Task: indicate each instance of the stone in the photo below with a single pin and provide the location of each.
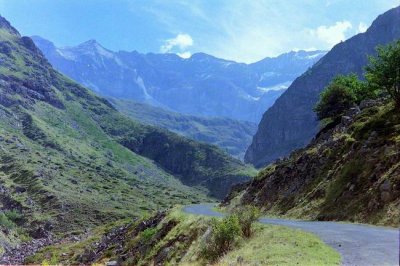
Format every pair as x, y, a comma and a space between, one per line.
240, 260
367, 103
112, 263
346, 120
353, 111
386, 196
385, 186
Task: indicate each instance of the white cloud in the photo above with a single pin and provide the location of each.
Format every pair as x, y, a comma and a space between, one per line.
362, 27
181, 41
185, 54
332, 35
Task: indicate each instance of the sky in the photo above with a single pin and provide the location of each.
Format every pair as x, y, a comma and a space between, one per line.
240, 30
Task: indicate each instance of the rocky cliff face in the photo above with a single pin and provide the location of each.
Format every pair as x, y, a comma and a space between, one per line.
291, 123
351, 172
200, 85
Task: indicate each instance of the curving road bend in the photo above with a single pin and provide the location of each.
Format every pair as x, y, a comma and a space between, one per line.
359, 245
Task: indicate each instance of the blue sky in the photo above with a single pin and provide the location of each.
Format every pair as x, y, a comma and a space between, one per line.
245, 31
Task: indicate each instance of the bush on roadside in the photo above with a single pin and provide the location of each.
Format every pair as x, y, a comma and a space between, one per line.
224, 236
247, 215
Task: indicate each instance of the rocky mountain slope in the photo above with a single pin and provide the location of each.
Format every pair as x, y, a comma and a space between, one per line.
291, 123
178, 238
200, 85
230, 135
350, 172
69, 159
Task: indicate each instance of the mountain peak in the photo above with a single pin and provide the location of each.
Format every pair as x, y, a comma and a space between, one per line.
92, 47
90, 43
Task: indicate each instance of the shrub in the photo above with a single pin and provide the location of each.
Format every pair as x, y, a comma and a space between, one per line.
247, 216
148, 234
224, 236
13, 215
383, 71
334, 100
5, 222
358, 88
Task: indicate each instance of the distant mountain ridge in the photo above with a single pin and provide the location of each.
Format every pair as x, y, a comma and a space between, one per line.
200, 85
233, 136
291, 123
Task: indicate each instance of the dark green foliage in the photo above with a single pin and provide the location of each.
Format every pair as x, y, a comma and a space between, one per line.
383, 71
359, 88
247, 215
148, 234
224, 236
335, 100
8, 219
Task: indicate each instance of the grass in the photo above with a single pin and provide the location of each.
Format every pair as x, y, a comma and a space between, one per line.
278, 245
269, 245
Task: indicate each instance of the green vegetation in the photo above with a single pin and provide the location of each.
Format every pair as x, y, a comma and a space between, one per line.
382, 76
335, 99
177, 238
247, 215
383, 71
225, 234
278, 245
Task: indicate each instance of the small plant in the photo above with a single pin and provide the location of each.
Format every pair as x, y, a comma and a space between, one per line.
247, 215
224, 236
148, 234
13, 215
5, 222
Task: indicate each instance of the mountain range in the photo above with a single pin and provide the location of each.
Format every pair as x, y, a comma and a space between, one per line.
200, 85
291, 122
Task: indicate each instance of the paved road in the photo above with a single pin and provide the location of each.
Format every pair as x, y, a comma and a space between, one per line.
360, 245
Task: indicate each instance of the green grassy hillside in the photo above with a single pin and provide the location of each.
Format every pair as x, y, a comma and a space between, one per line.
230, 135
69, 160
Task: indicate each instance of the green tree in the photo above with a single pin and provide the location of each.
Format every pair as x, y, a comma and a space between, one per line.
383, 71
359, 88
335, 100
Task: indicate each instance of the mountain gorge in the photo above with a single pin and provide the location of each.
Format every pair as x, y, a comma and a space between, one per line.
69, 160
200, 85
291, 123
